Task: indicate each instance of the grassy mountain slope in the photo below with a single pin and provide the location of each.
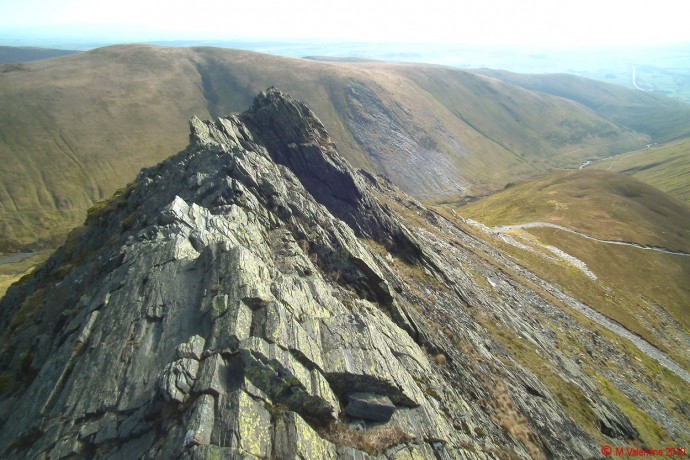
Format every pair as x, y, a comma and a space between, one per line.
662, 118
638, 288
598, 203
74, 129
666, 167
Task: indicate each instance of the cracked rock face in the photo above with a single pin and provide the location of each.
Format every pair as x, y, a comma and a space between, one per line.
225, 305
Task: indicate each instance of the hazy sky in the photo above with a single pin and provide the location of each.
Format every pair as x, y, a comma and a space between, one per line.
506, 22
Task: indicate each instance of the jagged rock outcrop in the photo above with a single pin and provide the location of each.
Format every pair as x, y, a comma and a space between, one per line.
247, 298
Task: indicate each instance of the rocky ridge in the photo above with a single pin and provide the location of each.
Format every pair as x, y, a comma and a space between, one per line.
256, 297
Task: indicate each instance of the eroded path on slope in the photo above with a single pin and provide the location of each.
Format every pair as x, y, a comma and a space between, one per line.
505, 228
476, 244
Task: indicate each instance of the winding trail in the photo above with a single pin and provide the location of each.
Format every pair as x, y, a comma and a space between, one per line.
644, 346
634, 79
610, 324
506, 228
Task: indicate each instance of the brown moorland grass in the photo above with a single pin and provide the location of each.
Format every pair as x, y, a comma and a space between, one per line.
666, 167
630, 282
601, 204
74, 129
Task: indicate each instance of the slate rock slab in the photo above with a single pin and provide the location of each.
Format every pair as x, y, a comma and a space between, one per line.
370, 406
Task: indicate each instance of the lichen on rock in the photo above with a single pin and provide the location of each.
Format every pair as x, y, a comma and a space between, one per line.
242, 314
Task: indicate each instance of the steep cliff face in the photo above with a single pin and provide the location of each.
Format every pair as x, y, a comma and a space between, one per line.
256, 297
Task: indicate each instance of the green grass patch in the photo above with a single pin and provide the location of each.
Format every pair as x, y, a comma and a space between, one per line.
606, 206
629, 279
7, 382
600, 204
110, 205
666, 167
567, 394
651, 433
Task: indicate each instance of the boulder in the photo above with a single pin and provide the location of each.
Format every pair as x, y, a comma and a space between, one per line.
369, 406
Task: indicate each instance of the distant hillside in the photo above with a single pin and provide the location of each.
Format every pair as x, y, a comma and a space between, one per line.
74, 129
12, 54
662, 118
666, 167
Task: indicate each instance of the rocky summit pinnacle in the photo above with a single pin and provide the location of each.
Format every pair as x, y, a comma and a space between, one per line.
256, 297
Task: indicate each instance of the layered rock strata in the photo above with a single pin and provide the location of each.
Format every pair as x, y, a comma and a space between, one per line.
228, 304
